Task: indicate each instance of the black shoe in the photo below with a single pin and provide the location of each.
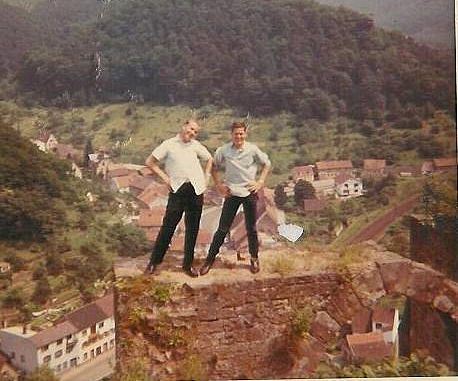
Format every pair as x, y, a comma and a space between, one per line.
206, 267
254, 267
150, 269
191, 272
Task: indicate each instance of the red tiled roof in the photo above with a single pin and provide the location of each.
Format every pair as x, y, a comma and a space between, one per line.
341, 178
368, 346
54, 333
151, 217
153, 191
313, 205
374, 164
119, 172
106, 303
140, 182
444, 162
87, 315
121, 182
335, 164
302, 170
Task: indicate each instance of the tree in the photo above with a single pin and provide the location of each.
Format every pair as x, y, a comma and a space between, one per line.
42, 291
303, 190
87, 151
128, 240
280, 197
14, 298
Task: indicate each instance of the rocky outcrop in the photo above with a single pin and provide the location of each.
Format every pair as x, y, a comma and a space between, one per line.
245, 328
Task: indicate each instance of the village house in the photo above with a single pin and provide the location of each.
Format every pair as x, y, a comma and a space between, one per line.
444, 164
374, 335
268, 219
154, 195
150, 220
324, 188
361, 347
330, 169
374, 167
139, 183
347, 187
73, 340
304, 172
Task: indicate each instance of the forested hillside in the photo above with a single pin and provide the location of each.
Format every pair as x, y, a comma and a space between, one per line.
262, 57
34, 190
427, 21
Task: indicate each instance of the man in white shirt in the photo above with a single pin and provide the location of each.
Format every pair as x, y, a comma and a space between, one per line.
240, 160
187, 182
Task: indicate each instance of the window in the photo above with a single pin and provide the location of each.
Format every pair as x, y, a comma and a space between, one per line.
84, 333
378, 326
111, 343
64, 365
59, 342
85, 356
98, 350
58, 354
47, 358
105, 346
44, 348
73, 362
59, 368
69, 337
92, 353
22, 358
101, 325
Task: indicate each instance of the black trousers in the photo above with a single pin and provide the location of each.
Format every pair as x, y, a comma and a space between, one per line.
230, 206
183, 200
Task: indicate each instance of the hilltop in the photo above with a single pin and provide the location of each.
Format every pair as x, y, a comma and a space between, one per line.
427, 21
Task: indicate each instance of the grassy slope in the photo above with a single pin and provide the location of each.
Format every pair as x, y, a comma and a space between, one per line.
147, 125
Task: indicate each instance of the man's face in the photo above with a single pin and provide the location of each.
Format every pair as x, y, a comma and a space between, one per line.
238, 136
189, 131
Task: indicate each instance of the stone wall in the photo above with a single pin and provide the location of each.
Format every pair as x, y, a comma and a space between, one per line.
243, 329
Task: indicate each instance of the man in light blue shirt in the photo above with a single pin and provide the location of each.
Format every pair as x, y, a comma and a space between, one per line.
241, 160
187, 182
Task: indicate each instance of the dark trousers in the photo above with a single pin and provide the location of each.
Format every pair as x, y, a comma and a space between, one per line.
230, 206
183, 200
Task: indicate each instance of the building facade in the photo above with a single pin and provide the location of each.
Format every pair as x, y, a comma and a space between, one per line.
75, 339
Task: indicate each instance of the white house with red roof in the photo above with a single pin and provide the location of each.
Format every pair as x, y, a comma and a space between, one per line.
76, 338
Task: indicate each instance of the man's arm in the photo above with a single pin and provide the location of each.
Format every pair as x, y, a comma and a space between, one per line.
208, 170
152, 163
257, 185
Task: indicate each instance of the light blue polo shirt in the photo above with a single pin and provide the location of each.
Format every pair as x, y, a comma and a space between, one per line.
240, 165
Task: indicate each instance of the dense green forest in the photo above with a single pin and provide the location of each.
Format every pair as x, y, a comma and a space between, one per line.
262, 57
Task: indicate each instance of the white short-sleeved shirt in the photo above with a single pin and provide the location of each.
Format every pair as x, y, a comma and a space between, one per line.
240, 165
182, 162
